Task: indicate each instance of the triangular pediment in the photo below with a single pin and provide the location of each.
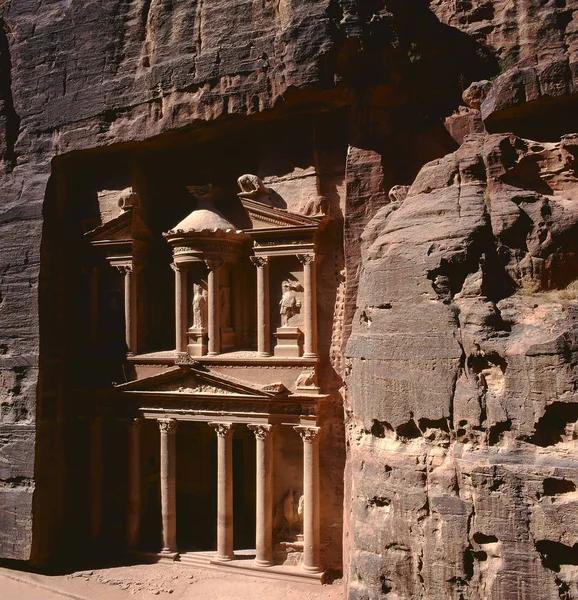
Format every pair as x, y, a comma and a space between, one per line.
199, 381
116, 230
267, 217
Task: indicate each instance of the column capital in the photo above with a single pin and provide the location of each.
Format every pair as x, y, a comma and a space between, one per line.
306, 259
176, 267
124, 269
261, 431
213, 265
223, 429
167, 425
308, 434
260, 261
134, 424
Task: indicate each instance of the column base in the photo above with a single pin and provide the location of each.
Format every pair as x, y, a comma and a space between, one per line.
310, 355
264, 354
225, 558
263, 563
213, 353
311, 569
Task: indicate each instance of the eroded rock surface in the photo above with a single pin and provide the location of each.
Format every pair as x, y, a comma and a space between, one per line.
463, 380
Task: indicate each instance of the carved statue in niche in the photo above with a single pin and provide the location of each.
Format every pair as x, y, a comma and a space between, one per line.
199, 307
289, 304
226, 306
289, 515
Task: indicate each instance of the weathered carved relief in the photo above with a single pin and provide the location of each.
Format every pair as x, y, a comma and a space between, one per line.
289, 305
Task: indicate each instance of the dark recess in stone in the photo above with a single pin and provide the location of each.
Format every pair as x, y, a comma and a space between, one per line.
555, 554
555, 487
550, 427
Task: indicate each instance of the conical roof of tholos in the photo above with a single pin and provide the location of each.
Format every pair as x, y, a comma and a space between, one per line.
204, 218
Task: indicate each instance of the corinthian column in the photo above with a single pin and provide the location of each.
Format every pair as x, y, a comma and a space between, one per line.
168, 428
309, 435
310, 304
224, 490
134, 482
130, 317
263, 309
264, 522
214, 307
180, 307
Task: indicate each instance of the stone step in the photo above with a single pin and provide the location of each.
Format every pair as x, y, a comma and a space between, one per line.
247, 567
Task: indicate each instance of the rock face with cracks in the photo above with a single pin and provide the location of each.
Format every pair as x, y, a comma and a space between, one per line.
462, 380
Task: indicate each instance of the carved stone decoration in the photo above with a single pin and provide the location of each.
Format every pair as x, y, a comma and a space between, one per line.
260, 261
252, 187
225, 306
125, 269
134, 424
260, 431
308, 434
168, 426
306, 259
223, 429
306, 383
112, 203
199, 307
289, 304
201, 192
316, 206
213, 265
184, 358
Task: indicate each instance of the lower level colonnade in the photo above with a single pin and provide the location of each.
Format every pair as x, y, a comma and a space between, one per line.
264, 490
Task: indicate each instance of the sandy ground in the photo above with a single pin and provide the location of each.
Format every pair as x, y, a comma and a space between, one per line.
158, 581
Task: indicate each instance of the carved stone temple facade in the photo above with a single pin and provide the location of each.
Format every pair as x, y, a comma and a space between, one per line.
226, 425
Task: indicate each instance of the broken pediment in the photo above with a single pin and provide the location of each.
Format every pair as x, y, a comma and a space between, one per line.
267, 217
197, 381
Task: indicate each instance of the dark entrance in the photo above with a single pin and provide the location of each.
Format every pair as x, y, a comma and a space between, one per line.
244, 480
196, 487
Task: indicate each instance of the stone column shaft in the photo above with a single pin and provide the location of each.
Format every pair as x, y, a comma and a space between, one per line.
214, 311
180, 307
168, 428
310, 304
224, 490
134, 484
311, 554
263, 306
264, 521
